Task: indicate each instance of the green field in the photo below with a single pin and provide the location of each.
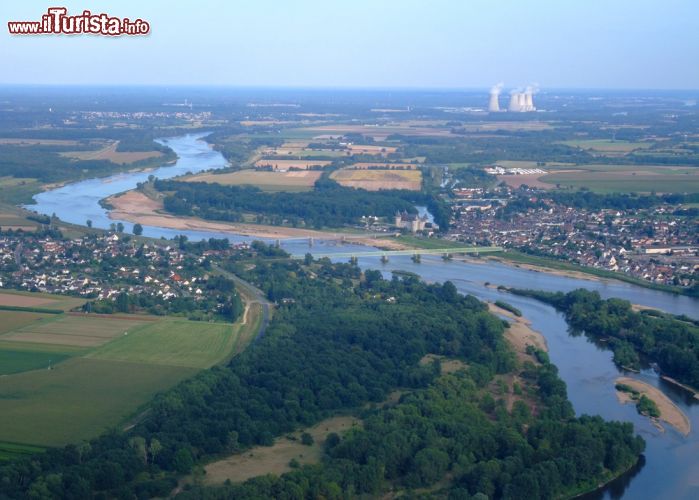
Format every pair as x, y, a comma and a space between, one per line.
78, 399
15, 191
427, 243
191, 344
607, 145
12, 451
67, 377
627, 178
16, 361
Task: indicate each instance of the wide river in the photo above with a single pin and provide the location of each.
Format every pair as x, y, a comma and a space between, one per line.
671, 468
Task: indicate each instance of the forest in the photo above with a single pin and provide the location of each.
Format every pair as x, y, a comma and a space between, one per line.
46, 164
346, 338
671, 342
328, 205
593, 201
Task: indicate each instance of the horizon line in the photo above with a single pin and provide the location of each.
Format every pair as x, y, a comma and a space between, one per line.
336, 87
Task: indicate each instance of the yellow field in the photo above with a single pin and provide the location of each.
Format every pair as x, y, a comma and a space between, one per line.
38, 142
109, 152
275, 459
37, 299
11, 320
371, 150
384, 165
287, 164
267, 181
375, 180
72, 331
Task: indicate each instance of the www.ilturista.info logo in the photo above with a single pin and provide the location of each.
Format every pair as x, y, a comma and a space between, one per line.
56, 21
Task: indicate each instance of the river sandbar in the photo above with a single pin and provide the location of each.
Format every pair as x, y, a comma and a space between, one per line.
136, 207
670, 413
520, 333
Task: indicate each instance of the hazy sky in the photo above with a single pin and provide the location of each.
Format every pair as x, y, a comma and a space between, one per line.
368, 43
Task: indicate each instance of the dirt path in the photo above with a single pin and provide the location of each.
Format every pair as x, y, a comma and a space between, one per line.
670, 413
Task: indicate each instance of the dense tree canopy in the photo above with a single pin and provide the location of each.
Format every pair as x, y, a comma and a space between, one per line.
328, 205
672, 342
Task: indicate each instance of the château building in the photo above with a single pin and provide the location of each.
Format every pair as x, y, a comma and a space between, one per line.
413, 222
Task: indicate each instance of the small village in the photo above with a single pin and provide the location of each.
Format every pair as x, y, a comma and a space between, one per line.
652, 244
102, 267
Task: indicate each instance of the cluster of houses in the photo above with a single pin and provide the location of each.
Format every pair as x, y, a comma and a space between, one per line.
99, 267
652, 244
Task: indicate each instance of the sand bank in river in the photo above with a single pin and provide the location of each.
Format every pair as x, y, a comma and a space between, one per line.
520, 333
669, 411
136, 207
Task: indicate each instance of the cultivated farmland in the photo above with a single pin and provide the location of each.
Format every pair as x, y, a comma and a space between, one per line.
67, 377
267, 181
375, 180
627, 178
42, 300
109, 152
77, 399
608, 146
72, 331
287, 164
11, 320
191, 344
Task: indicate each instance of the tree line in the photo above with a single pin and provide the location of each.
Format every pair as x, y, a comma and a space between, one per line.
328, 205
671, 342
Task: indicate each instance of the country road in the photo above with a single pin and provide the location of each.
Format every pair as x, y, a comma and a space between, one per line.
251, 295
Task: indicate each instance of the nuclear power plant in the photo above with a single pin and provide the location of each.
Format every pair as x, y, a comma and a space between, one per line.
494, 104
520, 101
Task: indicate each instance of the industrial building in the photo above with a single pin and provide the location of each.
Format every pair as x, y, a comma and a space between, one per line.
520, 101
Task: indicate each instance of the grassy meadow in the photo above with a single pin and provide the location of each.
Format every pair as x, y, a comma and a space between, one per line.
67, 377
627, 178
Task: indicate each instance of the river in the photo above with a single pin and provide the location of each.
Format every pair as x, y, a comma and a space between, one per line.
671, 468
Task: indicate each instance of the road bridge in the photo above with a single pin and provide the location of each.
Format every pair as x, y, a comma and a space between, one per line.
416, 251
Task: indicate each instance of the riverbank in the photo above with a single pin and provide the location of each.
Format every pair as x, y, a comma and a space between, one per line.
520, 334
134, 206
670, 413
553, 266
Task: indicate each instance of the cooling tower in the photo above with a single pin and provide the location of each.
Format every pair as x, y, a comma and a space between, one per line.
514, 102
522, 101
529, 101
494, 104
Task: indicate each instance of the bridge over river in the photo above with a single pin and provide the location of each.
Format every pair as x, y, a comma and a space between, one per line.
416, 251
